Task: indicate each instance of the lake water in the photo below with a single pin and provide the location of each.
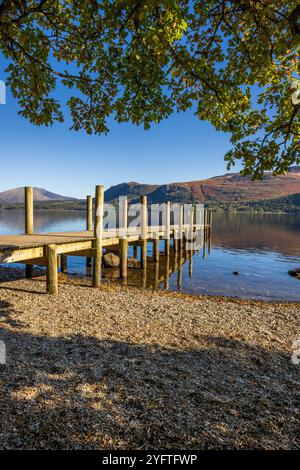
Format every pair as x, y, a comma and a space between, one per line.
262, 248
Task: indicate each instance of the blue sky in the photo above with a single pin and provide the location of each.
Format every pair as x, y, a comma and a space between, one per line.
181, 148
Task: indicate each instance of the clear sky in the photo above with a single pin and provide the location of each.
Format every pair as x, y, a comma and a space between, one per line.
181, 148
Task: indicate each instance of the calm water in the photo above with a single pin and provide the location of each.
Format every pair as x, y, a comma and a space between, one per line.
261, 247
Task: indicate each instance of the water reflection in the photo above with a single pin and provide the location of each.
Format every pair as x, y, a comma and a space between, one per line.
260, 232
157, 274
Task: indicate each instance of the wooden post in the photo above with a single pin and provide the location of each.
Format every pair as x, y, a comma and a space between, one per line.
123, 249
167, 272
179, 278
210, 223
29, 229
191, 265
156, 248
29, 226
98, 233
167, 228
156, 275
144, 229
204, 238
205, 222
180, 225
63, 263
89, 222
89, 213
191, 241
52, 283
175, 243
123, 243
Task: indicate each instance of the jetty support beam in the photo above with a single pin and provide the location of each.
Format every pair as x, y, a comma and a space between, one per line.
29, 227
52, 281
123, 243
144, 224
98, 231
89, 223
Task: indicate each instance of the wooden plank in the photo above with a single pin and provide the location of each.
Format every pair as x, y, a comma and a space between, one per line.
36, 261
89, 253
73, 247
14, 256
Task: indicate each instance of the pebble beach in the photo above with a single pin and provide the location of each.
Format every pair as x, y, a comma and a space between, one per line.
124, 368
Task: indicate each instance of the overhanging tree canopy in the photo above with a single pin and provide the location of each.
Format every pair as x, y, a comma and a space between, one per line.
235, 61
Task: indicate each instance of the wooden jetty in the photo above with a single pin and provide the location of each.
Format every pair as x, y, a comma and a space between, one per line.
52, 249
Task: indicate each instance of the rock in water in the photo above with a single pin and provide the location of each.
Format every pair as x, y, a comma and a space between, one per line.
110, 260
295, 272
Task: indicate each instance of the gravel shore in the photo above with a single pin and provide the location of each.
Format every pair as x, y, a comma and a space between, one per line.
122, 368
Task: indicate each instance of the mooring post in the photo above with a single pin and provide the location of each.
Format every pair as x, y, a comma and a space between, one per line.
179, 277
123, 242
167, 228
98, 233
191, 265
144, 230
204, 233
175, 241
191, 241
89, 222
29, 226
89, 213
156, 275
156, 247
63, 263
167, 272
29, 229
180, 238
52, 282
210, 222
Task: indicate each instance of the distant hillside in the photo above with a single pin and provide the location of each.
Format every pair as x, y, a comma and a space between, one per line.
230, 191
39, 195
132, 190
286, 204
231, 187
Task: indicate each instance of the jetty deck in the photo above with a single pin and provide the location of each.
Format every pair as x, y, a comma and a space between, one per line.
52, 249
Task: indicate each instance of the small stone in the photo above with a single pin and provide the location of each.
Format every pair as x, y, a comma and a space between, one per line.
132, 261
236, 273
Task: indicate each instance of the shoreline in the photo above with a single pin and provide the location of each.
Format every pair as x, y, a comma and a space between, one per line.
125, 368
85, 282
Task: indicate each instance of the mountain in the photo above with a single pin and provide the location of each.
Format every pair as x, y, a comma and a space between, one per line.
39, 194
132, 190
231, 187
